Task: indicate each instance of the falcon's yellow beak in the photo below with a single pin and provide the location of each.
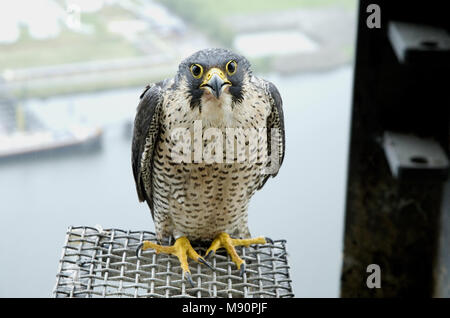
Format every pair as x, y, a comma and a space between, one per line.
215, 80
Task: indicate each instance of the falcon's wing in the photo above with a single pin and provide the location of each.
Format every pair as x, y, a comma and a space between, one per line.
274, 121
145, 138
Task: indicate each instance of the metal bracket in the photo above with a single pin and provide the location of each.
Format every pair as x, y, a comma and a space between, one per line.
412, 157
420, 44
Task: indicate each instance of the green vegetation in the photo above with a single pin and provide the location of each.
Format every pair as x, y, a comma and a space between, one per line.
69, 46
80, 87
220, 8
209, 16
97, 43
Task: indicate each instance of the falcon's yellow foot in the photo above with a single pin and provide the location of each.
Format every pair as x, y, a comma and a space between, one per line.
181, 249
224, 240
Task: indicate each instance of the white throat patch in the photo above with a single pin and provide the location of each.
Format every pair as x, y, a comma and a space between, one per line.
217, 112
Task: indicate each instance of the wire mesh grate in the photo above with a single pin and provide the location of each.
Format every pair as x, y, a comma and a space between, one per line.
103, 263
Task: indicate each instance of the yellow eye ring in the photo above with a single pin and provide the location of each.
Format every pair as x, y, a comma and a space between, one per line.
231, 67
196, 70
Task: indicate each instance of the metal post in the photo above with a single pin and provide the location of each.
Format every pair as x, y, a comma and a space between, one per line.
398, 163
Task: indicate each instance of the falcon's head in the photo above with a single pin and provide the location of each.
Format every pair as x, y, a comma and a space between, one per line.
214, 75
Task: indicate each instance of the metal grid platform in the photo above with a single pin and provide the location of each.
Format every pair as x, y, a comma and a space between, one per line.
103, 263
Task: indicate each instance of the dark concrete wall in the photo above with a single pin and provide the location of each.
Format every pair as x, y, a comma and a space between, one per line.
397, 224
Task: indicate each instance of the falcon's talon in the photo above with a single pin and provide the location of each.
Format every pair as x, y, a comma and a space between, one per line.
269, 240
242, 271
189, 278
139, 247
202, 260
224, 240
182, 249
210, 253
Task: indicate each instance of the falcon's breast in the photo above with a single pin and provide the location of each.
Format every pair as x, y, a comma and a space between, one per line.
203, 199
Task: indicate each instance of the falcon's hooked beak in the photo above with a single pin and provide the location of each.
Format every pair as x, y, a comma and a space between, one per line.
215, 80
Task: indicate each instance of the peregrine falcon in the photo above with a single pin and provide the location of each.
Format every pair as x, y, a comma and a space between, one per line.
197, 198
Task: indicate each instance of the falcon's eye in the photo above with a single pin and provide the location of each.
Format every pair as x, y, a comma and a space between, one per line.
196, 70
231, 67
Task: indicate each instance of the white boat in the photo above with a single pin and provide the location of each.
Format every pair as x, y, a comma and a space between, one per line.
23, 143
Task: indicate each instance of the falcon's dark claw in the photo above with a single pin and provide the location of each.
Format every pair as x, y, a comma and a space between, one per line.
209, 254
202, 260
269, 240
189, 278
242, 271
139, 247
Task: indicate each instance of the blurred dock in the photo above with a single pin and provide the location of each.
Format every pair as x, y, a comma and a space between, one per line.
22, 132
21, 144
87, 76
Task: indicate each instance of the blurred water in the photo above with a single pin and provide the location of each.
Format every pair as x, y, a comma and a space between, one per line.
41, 197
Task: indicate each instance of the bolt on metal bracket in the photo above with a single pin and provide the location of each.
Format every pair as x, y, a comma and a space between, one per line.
416, 44
415, 157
